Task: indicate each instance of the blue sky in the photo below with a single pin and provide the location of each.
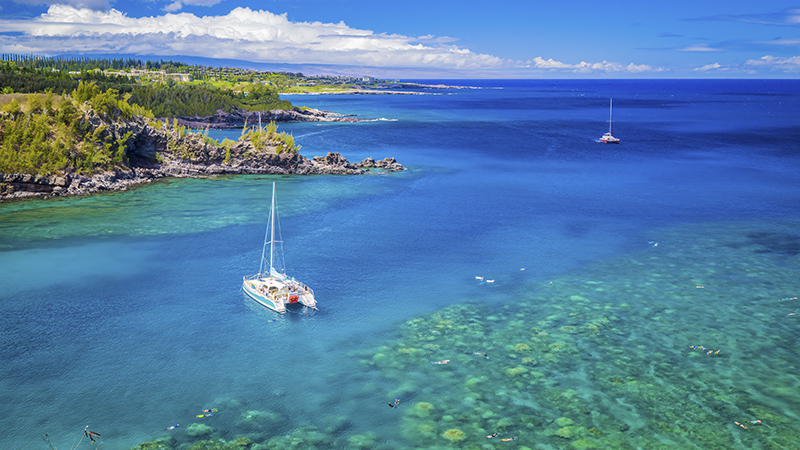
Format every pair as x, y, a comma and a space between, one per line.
431, 39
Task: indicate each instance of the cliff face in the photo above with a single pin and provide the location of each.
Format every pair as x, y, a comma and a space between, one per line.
155, 150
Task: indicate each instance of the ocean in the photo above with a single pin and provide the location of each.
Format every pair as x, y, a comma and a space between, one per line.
520, 285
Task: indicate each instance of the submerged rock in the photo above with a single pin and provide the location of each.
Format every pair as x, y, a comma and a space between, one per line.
199, 429
258, 420
454, 435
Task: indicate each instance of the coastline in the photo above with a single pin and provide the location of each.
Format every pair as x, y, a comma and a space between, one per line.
237, 117
157, 151
384, 90
360, 92
26, 186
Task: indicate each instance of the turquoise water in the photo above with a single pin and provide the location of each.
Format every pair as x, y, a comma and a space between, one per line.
123, 311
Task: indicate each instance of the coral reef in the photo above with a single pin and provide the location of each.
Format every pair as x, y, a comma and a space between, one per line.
454, 435
198, 429
258, 420
613, 359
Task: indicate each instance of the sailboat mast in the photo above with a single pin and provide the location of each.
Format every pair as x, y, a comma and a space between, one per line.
610, 109
272, 227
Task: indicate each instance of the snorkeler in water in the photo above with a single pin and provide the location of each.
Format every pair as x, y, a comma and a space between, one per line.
90, 434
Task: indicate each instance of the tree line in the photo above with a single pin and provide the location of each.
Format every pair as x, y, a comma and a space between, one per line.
47, 134
83, 63
168, 99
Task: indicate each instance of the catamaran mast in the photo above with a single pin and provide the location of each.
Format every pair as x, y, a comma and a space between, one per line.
610, 108
270, 234
272, 227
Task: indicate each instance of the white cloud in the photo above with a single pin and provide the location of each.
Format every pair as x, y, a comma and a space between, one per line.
793, 42
584, 67
707, 67
633, 68
259, 36
793, 16
176, 5
791, 64
699, 48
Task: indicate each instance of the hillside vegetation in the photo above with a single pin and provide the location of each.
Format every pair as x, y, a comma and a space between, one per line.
89, 131
165, 99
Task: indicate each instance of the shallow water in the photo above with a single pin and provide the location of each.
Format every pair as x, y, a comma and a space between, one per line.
124, 311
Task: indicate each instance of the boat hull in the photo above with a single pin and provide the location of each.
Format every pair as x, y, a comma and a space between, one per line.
278, 292
276, 305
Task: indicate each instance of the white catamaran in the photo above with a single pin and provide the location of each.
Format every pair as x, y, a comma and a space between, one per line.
269, 286
608, 138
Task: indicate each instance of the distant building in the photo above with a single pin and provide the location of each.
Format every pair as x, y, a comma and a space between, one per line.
155, 74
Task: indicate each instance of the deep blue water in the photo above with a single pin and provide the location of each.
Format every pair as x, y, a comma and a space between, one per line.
124, 311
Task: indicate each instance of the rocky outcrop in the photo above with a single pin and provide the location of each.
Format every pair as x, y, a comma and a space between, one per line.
387, 164
155, 150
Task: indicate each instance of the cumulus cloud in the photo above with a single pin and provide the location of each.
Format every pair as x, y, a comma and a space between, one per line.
791, 64
585, 67
707, 67
258, 36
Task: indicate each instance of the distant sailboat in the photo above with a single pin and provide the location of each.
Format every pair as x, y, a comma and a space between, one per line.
609, 138
270, 287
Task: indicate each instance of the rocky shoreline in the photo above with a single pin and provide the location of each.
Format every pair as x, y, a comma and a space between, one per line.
238, 117
156, 151
20, 186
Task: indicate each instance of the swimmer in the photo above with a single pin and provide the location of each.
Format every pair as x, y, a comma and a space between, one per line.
755, 422
204, 415
509, 439
741, 425
705, 349
173, 427
210, 410
391, 405
397, 401
482, 354
444, 361
90, 434
493, 435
